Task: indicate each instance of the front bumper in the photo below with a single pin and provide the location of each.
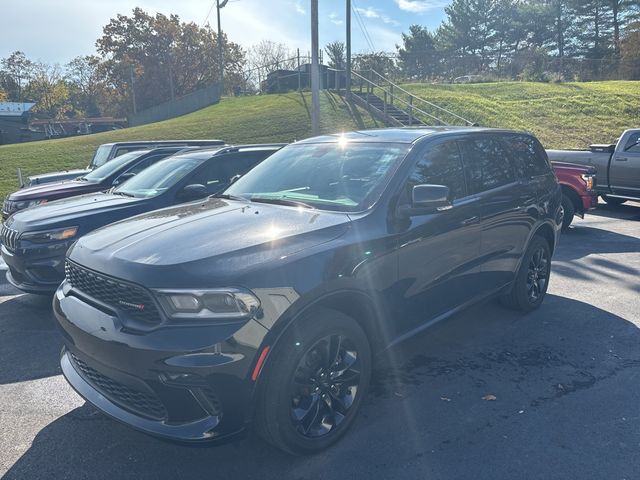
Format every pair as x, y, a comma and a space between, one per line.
589, 202
187, 384
36, 270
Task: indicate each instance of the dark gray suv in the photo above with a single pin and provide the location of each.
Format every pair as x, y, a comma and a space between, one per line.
265, 304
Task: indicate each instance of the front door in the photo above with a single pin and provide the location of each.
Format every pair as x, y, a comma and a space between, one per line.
438, 253
624, 174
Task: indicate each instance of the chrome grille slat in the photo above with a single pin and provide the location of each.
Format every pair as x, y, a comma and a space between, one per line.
119, 295
9, 238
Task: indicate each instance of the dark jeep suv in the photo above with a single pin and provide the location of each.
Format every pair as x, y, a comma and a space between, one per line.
266, 302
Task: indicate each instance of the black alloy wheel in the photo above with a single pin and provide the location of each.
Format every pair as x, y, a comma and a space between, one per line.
313, 383
324, 385
538, 275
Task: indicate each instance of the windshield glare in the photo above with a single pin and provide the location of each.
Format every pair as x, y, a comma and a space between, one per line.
101, 156
337, 176
159, 177
109, 168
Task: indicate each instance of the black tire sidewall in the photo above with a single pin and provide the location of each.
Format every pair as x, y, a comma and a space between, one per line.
521, 294
569, 212
276, 400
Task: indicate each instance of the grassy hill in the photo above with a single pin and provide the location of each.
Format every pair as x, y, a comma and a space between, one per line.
268, 118
570, 115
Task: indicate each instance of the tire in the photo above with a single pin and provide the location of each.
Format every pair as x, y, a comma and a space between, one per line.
569, 211
313, 412
520, 297
613, 201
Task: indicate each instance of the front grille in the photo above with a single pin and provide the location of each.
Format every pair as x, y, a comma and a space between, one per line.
116, 294
144, 404
9, 238
7, 208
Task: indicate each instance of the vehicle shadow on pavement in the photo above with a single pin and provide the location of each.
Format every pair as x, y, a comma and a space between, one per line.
29, 340
488, 394
626, 211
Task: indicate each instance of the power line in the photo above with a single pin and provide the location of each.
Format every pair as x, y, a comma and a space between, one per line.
213, 4
363, 27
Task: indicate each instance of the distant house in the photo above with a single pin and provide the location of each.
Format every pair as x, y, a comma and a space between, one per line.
14, 122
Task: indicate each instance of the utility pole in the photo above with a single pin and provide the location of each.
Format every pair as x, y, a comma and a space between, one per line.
315, 71
220, 5
348, 22
133, 89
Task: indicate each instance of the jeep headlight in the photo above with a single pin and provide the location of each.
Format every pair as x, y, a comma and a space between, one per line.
27, 204
50, 235
232, 303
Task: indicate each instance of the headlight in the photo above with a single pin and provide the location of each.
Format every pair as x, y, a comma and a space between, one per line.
27, 204
588, 180
216, 303
51, 235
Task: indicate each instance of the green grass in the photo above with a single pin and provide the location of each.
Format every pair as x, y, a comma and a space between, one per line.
569, 115
258, 119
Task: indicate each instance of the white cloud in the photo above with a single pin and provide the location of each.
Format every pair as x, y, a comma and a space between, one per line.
419, 6
335, 19
297, 5
371, 12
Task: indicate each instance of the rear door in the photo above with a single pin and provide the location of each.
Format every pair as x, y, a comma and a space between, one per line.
438, 254
492, 176
624, 173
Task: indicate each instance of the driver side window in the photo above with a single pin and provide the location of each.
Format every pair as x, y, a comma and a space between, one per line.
441, 164
632, 145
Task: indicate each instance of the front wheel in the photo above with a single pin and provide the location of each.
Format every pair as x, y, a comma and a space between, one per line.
314, 383
532, 280
613, 201
569, 212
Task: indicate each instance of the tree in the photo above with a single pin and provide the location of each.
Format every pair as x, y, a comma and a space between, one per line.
630, 51
164, 57
48, 89
85, 85
19, 69
336, 53
418, 55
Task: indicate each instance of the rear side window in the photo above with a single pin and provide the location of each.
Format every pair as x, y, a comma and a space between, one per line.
217, 174
487, 164
441, 165
529, 154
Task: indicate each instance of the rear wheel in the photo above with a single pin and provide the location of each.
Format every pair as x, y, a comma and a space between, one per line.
569, 211
314, 383
613, 201
532, 280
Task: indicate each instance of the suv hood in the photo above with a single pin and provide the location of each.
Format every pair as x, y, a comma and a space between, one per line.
56, 189
72, 211
201, 244
56, 176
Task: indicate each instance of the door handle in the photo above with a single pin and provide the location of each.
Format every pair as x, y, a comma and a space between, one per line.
621, 159
470, 221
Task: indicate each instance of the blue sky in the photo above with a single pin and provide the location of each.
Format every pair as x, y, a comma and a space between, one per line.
58, 31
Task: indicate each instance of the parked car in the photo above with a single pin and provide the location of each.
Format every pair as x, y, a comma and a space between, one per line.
102, 178
266, 302
35, 240
109, 151
618, 166
578, 184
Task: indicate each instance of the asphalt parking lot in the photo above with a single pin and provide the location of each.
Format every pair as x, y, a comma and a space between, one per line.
566, 382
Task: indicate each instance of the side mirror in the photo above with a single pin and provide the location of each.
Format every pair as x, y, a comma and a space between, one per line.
426, 199
123, 178
193, 192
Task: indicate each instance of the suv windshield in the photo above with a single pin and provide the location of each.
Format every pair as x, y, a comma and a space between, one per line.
331, 176
159, 177
101, 156
109, 168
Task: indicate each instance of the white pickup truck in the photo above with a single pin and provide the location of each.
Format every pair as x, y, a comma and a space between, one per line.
618, 166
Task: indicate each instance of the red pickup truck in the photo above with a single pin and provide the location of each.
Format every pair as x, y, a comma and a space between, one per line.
578, 189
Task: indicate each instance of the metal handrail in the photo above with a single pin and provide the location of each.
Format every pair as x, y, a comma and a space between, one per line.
413, 107
438, 107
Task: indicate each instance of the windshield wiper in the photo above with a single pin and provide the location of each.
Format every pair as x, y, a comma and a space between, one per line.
123, 194
227, 196
281, 201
